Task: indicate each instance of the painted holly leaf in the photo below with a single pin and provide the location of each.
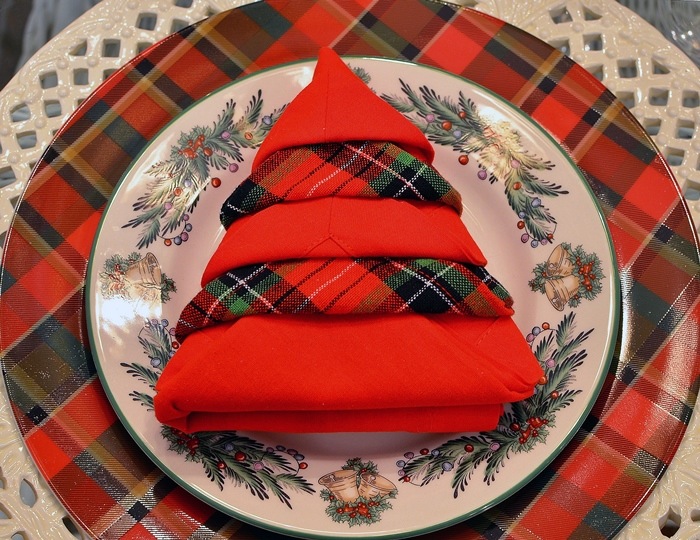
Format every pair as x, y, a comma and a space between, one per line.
497, 147
264, 471
519, 429
176, 184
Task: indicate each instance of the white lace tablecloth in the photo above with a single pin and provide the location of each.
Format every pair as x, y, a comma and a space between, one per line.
654, 79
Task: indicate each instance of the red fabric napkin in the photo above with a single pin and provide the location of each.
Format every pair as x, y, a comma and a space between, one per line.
336, 227
410, 371
346, 373
341, 105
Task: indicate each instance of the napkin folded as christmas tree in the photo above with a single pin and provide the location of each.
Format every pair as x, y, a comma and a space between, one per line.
346, 294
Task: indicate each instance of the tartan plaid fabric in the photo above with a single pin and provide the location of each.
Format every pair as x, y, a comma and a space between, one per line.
115, 491
345, 286
349, 169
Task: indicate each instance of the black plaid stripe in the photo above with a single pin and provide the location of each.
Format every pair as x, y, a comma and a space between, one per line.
386, 170
38, 223
545, 81
510, 57
162, 89
91, 462
396, 285
643, 150
376, 26
434, 287
77, 180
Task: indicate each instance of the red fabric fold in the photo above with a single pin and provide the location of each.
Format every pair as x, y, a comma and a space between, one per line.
314, 374
341, 227
337, 107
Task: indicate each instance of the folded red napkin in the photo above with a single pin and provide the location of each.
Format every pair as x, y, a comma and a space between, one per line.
335, 227
310, 373
346, 295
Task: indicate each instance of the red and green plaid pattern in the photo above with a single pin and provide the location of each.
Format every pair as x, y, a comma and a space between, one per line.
347, 286
589, 491
349, 169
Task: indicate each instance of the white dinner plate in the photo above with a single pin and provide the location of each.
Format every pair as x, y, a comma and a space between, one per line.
552, 253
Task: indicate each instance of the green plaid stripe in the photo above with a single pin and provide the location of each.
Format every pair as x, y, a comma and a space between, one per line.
352, 169
346, 286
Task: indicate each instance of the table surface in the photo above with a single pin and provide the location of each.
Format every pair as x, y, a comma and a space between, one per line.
656, 81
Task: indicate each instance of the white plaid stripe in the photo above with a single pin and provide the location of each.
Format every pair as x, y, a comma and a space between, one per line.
236, 209
318, 290
408, 184
335, 173
243, 282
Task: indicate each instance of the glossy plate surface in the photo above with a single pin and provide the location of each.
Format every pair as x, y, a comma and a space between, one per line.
593, 486
161, 227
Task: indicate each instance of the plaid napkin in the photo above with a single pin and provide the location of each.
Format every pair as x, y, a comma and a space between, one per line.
346, 295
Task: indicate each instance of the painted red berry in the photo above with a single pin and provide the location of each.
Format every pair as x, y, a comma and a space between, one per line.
469, 447
239, 456
167, 242
248, 135
517, 186
543, 380
177, 191
521, 224
221, 465
447, 125
216, 181
554, 395
303, 465
535, 422
515, 426
545, 326
463, 159
462, 115
208, 151
424, 451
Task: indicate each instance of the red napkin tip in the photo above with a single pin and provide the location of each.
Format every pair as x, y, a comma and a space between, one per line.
337, 106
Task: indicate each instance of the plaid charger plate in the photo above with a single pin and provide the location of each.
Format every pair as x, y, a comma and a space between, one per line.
595, 485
